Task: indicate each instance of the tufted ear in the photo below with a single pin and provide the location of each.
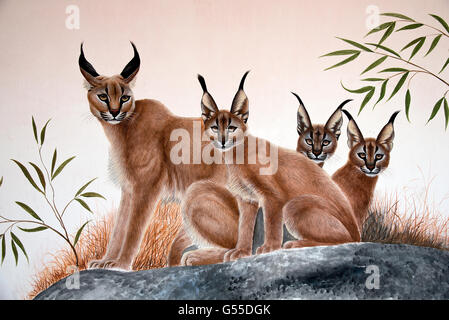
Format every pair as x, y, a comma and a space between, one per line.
208, 105
354, 134
386, 135
303, 119
131, 69
87, 70
336, 120
240, 104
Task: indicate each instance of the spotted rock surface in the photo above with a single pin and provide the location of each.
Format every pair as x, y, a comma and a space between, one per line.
348, 271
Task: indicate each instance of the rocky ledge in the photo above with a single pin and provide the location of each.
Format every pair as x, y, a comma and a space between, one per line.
348, 271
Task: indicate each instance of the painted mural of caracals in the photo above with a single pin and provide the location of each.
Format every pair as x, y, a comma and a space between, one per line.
203, 191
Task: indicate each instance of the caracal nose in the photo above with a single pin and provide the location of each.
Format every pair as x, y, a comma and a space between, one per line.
316, 152
114, 113
370, 166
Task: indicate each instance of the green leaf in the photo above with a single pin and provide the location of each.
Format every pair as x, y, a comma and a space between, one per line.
446, 113
58, 171
399, 85
440, 20
383, 89
37, 229
361, 90
3, 248
434, 44
340, 53
411, 43
356, 44
84, 204
397, 15
368, 97
384, 48
435, 109
43, 132
444, 66
34, 129
77, 236
84, 187
417, 47
374, 64
14, 251
387, 33
29, 210
410, 26
19, 243
379, 28
53, 161
92, 195
407, 104
354, 56
373, 79
394, 70
27, 175
39, 174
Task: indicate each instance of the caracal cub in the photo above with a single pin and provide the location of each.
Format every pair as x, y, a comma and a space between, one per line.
368, 157
316, 141
316, 208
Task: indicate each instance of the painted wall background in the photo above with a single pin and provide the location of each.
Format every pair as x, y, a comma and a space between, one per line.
280, 41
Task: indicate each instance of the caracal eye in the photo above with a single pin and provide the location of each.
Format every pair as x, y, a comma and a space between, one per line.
232, 128
125, 98
103, 97
309, 142
326, 142
361, 155
379, 156
214, 128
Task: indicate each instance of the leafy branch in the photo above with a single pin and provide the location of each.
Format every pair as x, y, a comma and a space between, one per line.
406, 70
45, 187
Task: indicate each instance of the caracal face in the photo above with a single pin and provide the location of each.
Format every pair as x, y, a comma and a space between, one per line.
370, 155
318, 142
111, 99
226, 129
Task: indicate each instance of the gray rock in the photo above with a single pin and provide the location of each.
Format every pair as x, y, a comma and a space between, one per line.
328, 272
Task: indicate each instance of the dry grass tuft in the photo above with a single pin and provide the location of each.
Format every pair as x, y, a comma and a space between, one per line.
417, 223
164, 225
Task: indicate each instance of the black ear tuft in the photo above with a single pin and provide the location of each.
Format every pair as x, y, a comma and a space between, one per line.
132, 67
355, 136
202, 83
344, 103
347, 114
242, 82
303, 119
393, 117
85, 65
240, 103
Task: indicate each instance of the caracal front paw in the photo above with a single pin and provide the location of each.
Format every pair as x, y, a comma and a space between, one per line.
267, 247
235, 254
107, 263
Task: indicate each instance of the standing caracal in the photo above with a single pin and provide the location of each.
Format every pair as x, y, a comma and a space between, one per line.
139, 132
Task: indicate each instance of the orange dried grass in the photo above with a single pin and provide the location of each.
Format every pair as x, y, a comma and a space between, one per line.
163, 227
417, 223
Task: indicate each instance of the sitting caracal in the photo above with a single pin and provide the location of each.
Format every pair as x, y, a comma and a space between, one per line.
318, 142
316, 208
367, 158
